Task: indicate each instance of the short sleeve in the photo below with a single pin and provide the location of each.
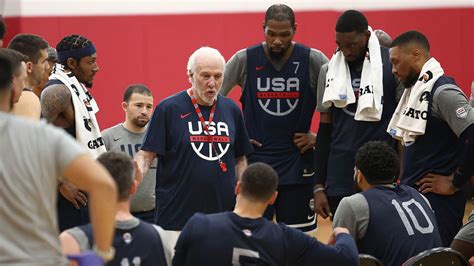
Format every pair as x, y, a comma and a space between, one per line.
353, 214
451, 105
320, 89
316, 60
242, 145
155, 137
467, 231
106, 136
80, 237
235, 72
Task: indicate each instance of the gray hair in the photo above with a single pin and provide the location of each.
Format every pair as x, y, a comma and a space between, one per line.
205, 50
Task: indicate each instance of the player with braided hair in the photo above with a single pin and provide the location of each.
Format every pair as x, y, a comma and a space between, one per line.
71, 49
66, 103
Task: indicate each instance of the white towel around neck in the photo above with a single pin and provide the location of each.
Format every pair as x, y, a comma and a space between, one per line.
339, 91
85, 108
409, 119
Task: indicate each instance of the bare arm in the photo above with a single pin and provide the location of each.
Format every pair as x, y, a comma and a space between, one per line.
28, 106
400, 155
69, 245
55, 100
240, 165
90, 176
144, 160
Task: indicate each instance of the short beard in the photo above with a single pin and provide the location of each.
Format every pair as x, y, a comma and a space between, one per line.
88, 84
276, 55
411, 79
139, 124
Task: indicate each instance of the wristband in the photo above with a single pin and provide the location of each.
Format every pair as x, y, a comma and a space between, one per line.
316, 190
107, 255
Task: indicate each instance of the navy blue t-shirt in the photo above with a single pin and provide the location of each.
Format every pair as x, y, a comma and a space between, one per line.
348, 134
401, 225
276, 105
228, 239
188, 176
140, 245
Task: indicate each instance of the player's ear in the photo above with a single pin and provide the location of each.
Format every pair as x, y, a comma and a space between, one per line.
29, 67
367, 35
271, 201
124, 106
237, 188
190, 76
358, 176
71, 63
134, 187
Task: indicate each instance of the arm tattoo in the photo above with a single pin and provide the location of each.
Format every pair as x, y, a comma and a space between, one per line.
54, 101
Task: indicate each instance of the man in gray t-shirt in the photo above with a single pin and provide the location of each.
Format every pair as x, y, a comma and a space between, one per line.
127, 137
464, 240
34, 157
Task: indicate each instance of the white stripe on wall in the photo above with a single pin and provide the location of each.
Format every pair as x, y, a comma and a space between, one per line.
14, 8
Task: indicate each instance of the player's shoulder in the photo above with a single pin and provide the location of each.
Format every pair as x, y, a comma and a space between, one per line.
239, 58
174, 100
241, 54
355, 202
324, 68
29, 97
445, 86
56, 91
228, 102
446, 82
316, 53
199, 224
253, 47
20, 124
111, 130
200, 218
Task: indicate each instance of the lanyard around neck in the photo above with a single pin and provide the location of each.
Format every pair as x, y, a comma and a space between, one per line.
206, 127
199, 113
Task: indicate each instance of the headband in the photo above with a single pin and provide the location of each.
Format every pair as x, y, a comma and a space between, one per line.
76, 53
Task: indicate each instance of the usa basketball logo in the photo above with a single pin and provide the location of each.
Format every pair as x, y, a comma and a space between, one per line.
210, 146
278, 96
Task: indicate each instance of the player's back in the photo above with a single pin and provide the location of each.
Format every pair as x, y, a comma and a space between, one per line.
136, 243
401, 224
228, 239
